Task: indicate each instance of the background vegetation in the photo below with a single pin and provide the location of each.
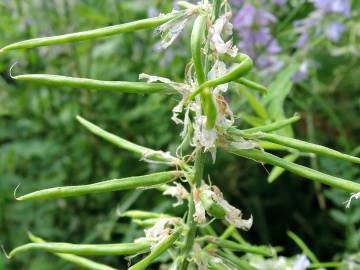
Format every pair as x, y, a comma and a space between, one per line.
42, 145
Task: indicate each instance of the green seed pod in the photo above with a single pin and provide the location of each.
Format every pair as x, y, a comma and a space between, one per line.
245, 65
308, 173
260, 250
77, 260
142, 214
252, 85
84, 249
197, 35
84, 83
212, 207
141, 151
209, 108
158, 250
105, 186
91, 34
305, 146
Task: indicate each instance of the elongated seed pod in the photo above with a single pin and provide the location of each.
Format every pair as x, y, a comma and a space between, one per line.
252, 85
261, 250
244, 66
77, 260
142, 214
274, 126
209, 108
305, 146
141, 151
157, 251
277, 171
197, 36
84, 249
213, 208
303, 171
118, 86
92, 34
104, 186
304, 248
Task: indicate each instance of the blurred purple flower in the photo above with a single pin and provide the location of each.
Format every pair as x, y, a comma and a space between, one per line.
301, 263
279, 2
253, 27
334, 31
302, 73
334, 6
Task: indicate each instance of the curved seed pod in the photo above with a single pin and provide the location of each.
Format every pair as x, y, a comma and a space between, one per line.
84, 249
253, 85
118, 86
157, 251
273, 126
308, 173
261, 250
77, 260
305, 249
277, 171
305, 146
104, 186
209, 108
129, 146
197, 35
245, 65
213, 208
92, 34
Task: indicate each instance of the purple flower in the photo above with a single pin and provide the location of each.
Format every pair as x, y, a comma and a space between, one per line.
334, 6
279, 2
302, 73
334, 31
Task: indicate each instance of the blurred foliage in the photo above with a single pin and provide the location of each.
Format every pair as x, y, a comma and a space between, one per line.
42, 145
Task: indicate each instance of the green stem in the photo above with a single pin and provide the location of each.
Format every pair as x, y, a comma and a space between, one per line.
192, 226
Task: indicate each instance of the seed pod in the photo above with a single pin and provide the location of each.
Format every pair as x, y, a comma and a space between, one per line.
197, 35
212, 207
245, 65
273, 126
105, 186
305, 146
253, 85
141, 151
142, 214
92, 34
261, 250
118, 86
77, 260
84, 249
277, 171
157, 251
209, 108
308, 173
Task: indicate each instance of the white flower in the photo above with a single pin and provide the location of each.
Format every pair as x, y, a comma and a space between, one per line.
233, 215
178, 192
301, 263
159, 231
218, 70
222, 26
204, 137
354, 196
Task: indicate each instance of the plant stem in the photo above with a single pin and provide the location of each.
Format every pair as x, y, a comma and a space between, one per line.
192, 226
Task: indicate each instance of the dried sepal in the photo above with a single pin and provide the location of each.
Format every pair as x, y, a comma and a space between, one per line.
178, 192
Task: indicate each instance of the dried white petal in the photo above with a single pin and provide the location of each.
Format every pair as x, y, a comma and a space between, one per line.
218, 70
178, 192
222, 26
151, 78
199, 215
354, 196
244, 144
301, 263
233, 215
